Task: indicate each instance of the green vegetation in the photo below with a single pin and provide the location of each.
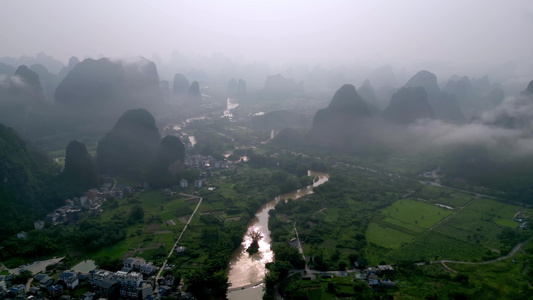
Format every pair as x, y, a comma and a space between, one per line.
415, 213
386, 236
373, 210
506, 279
27, 185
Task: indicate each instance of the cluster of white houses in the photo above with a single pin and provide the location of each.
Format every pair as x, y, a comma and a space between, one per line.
128, 283
204, 162
373, 276
68, 280
74, 209
92, 201
197, 183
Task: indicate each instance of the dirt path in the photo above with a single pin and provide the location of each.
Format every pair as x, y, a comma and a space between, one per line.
28, 284
323, 209
176, 243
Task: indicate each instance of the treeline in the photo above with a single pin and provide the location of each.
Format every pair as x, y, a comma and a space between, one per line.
269, 185
28, 183
285, 256
294, 164
217, 241
87, 236
212, 138
476, 165
333, 220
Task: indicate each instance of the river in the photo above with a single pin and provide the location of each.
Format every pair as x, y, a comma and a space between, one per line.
246, 272
231, 104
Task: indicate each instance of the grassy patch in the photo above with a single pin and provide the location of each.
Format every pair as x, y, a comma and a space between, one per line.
431, 192
507, 223
501, 279
114, 252
314, 293
402, 226
473, 227
417, 213
455, 200
386, 237
433, 245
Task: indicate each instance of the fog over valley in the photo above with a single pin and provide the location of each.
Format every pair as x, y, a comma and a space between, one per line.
445, 37
266, 149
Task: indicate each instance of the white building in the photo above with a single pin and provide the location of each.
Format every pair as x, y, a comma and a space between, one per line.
38, 225
70, 278
97, 276
183, 183
133, 279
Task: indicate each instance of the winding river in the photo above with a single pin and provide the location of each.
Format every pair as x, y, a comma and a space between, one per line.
246, 272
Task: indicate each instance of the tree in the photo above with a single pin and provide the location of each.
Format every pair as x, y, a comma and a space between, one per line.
462, 278
255, 236
109, 264
342, 265
284, 252
22, 278
136, 214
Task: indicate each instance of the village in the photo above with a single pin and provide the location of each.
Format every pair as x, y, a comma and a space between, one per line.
90, 204
135, 280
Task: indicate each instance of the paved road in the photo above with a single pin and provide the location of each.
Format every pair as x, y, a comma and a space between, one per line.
176, 243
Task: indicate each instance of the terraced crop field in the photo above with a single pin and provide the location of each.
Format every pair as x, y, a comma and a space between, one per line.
417, 229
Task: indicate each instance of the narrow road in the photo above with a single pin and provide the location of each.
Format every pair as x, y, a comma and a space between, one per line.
454, 189
28, 284
300, 249
156, 291
509, 255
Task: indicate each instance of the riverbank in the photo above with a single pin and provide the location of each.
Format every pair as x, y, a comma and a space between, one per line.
246, 271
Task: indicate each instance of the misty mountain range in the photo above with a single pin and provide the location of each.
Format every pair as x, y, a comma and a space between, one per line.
455, 119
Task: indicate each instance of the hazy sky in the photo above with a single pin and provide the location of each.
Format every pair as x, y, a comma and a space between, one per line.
404, 32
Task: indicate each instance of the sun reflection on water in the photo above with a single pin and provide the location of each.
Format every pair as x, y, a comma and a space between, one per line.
248, 270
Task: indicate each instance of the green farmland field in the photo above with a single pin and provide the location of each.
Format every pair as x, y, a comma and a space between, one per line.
386, 237
417, 213
433, 245
455, 200
416, 230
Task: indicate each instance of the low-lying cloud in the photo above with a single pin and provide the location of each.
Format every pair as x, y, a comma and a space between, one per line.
505, 130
